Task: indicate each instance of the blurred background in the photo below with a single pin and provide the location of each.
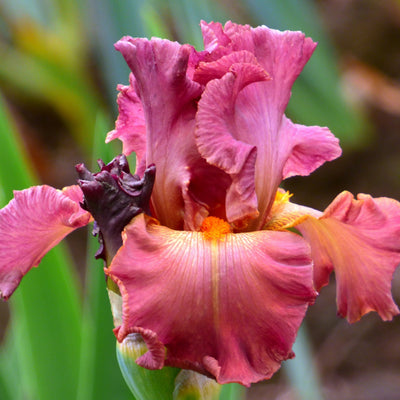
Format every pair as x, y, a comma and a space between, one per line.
58, 77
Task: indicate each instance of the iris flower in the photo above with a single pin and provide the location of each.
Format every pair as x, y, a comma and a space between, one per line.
214, 263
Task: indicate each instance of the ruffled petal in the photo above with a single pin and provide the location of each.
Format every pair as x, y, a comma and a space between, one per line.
130, 127
169, 99
217, 142
35, 221
227, 307
213, 36
113, 196
360, 240
252, 118
282, 54
207, 71
311, 146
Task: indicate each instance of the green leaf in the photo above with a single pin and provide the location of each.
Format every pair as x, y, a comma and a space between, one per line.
10, 374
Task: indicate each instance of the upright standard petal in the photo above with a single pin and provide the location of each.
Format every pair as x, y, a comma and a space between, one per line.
282, 54
216, 137
360, 240
169, 99
214, 302
253, 117
35, 221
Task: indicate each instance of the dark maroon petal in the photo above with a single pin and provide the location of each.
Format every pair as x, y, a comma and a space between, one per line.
114, 196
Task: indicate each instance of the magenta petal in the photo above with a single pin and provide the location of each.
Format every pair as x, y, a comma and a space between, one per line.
169, 98
206, 71
311, 146
30, 225
282, 54
219, 142
229, 307
130, 126
252, 115
75, 193
360, 240
154, 357
213, 35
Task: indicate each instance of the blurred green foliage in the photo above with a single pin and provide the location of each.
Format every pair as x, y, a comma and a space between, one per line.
59, 53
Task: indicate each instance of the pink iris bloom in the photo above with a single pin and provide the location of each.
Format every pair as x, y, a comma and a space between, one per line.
210, 272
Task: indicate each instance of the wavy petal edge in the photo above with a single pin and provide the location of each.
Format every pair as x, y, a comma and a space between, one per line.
36, 219
359, 239
162, 274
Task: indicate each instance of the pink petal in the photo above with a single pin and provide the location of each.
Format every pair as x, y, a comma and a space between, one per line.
169, 99
130, 126
311, 146
217, 139
30, 225
75, 193
206, 71
282, 54
252, 115
229, 307
360, 240
213, 36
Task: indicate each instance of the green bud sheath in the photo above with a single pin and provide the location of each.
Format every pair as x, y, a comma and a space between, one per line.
190, 385
165, 384
145, 384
